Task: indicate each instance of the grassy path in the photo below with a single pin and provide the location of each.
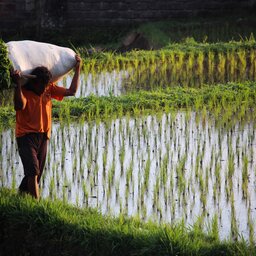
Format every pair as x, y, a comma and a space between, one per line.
29, 227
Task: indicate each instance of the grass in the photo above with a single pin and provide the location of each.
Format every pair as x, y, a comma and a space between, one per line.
29, 227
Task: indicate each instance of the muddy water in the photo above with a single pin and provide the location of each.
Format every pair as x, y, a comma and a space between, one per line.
163, 168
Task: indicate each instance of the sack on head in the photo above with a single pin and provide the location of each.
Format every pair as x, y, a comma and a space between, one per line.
27, 55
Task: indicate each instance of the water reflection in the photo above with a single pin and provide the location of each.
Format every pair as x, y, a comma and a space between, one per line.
102, 84
164, 168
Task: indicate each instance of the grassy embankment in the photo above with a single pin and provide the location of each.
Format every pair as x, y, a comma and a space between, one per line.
53, 228
225, 101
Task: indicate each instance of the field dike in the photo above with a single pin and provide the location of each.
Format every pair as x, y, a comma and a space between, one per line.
54, 228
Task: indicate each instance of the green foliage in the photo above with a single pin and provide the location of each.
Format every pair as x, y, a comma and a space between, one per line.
5, 66
7, 117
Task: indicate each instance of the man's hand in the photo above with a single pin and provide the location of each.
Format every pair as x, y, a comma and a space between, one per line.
19, 100
16, 77
78, 62
75, 81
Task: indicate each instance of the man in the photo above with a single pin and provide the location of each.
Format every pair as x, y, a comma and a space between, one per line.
33, 106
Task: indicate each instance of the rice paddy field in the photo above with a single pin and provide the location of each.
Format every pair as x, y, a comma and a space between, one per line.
166, 136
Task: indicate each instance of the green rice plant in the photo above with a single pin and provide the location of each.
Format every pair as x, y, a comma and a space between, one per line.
129, 173
14, 185
74, 165
179, 60
104, 160
197, 166
252, 65
190, 62
111, 174
95, 173
242, 62
64, 194
231, 165
147, 172
200, 66
91, 182
181, 181
156, 192
211, 66
85, 192
245, 176
231, 64
163, 170
122, 157
215, 228
251, 228
52, 191
221, 66
234, 229
215, 193
198, 225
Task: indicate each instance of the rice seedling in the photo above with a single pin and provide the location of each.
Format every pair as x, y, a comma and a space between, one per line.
245, 177
251, 228
234, 229
214, 232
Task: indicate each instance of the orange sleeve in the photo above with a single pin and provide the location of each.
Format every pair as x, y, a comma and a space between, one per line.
58, 92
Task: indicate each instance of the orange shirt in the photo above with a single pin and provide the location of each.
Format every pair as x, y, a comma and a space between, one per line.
37, 115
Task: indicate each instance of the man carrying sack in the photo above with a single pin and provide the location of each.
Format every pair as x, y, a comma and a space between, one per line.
33, 106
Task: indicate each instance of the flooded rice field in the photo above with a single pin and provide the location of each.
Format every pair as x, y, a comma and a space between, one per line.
164, 168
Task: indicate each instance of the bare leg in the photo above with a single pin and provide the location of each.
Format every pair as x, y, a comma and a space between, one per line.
33, 188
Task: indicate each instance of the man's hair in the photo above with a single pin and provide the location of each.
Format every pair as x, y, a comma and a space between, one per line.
43, 74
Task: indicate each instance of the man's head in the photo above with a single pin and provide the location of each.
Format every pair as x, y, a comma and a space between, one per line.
43, 77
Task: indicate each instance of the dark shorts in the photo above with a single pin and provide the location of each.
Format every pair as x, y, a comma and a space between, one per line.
32, 150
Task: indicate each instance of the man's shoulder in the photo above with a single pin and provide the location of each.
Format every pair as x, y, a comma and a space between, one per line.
27, 93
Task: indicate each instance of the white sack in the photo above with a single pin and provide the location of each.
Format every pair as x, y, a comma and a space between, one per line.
27, 55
